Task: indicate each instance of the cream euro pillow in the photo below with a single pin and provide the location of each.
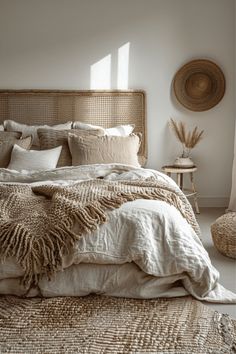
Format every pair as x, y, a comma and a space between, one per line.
120, 130
34, 160
26, 130
104, 149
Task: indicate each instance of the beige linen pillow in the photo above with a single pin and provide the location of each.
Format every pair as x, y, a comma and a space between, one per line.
119, 130
49, 138
33, 160
7, 141
26, 130
104, 149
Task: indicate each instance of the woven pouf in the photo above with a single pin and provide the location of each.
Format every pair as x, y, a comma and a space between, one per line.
224, 234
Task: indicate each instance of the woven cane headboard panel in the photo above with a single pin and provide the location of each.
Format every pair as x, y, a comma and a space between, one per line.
105, 108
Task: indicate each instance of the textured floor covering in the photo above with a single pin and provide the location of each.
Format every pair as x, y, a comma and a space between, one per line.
97, 324
225, 265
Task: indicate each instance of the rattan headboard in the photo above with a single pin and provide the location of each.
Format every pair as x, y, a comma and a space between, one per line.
105, 108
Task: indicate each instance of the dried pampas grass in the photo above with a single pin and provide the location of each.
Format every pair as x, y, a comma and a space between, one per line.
189, 139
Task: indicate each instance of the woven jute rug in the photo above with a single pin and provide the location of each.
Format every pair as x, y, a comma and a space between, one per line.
97, 324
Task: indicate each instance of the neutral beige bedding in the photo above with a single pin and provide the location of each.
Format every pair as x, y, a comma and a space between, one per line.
36, 223
146, 249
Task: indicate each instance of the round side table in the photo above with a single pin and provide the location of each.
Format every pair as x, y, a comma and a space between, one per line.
180, 171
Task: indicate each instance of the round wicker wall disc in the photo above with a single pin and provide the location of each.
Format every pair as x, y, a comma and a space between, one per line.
199, 85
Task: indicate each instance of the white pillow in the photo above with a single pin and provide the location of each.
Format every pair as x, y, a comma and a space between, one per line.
26, 130
1, 128
120, 130
34, 160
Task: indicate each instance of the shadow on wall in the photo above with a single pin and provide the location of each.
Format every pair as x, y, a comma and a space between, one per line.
101, 71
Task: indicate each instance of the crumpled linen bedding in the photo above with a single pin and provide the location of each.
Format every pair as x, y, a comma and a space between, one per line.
145, 250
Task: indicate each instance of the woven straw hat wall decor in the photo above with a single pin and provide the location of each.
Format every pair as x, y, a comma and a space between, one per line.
199, 85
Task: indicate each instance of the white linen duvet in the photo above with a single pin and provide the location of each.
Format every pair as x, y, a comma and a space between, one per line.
145, 250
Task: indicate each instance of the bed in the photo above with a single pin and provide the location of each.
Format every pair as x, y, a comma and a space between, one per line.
136, 236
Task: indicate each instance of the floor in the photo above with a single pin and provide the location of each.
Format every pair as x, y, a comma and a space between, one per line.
226, 266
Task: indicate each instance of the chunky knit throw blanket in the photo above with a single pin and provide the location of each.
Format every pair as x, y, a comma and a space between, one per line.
36, 223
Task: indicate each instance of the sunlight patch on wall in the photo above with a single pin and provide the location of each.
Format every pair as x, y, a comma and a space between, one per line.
112, 70
123, 67
100, 74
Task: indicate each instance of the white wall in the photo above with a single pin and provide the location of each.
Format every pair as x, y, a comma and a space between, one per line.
53, 43
232, 205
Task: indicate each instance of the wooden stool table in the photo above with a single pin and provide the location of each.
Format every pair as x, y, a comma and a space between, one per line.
180, 171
